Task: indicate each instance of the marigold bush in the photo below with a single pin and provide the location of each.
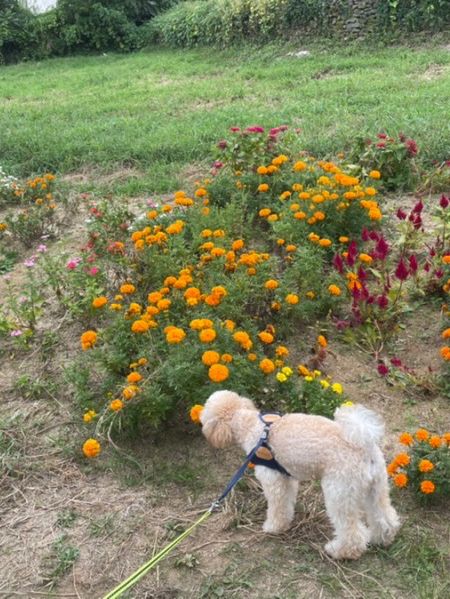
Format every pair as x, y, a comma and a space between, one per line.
425, 467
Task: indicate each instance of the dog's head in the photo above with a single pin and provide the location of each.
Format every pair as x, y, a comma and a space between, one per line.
217, 414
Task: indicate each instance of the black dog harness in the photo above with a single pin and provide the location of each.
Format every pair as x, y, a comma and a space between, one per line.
264, 454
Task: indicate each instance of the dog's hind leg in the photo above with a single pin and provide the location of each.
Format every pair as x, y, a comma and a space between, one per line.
381, 517
345, 511
280, 492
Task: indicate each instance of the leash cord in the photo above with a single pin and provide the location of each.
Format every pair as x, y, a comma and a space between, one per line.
142, 571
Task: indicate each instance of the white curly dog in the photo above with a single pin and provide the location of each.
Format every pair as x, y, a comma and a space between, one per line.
344, 453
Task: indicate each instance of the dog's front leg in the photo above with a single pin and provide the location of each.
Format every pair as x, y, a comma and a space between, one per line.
280, 492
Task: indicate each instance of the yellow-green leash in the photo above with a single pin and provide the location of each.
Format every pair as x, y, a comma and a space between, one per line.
132, 580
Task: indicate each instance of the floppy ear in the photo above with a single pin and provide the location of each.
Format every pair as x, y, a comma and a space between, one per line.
218, 433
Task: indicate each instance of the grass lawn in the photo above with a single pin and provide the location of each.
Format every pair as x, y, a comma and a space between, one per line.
149, 116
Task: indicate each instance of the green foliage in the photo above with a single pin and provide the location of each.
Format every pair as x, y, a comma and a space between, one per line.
15, 23
224, 22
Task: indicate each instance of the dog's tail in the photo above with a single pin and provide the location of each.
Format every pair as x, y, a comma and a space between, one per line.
360, 426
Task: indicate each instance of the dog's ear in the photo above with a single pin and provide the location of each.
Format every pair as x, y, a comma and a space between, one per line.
218, 433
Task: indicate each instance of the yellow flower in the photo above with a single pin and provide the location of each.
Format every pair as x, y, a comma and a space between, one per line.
337, 388
347, 404
91, 448
287, 371
99, 302
325, 384
281, 377
89, 415
195, 413
309, 378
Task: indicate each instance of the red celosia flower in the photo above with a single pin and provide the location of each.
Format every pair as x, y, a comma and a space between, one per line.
382, 369
411, 146
402, 272
381, 249
444, 201
382, 301
401, 214
338, 263
413, 265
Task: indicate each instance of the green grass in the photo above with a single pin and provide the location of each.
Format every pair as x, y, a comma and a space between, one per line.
158, 112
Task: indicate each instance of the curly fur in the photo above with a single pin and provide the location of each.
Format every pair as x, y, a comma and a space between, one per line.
344, 453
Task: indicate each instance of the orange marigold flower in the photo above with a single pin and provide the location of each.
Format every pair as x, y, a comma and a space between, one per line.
446, 438
334, 290
99, 302
265, 337
134, 377
207, 335
237, 245
426, 466
154, 297
175, 335
281, 351
422, 434
375, 175
392, 468
400, 480
292, 298
291, 247
210, 357
302, 370
402, 459
252, 357
127, 289
195, 413
88, 339
325, 243
267, 366
321, 340
446, 334
218, 373
365, 258
263, 187
427, 487
445, 352
446, 259
406, 439
91, 448
264, 212
229, 325
344, 239
140, 326
163, 304
299, 215
435, 441
142, 361
130, 391
227, 358
116, 405
271, 284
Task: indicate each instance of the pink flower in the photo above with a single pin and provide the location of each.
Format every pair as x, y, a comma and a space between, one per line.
381, 135
16, 333
222, 144
30, 262
218, 164
93, 271
235, 129
41, 248
73, 263
255, 129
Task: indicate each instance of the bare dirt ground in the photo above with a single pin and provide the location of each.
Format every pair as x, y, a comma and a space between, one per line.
72, 528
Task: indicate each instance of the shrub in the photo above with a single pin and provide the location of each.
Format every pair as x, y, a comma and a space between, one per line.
15, 24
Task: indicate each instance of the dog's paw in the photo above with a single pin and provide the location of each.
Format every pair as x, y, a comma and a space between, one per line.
338, 551
274, 528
